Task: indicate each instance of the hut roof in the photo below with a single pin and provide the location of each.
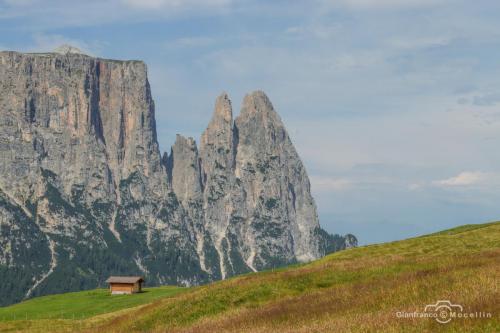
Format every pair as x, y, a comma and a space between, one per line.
124, 279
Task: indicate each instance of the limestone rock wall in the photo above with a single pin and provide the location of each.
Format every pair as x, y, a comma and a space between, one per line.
83, 185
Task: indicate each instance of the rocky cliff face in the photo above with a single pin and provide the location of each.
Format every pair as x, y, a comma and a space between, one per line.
84, 192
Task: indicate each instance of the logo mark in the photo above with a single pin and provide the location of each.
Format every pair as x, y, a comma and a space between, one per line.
444, 311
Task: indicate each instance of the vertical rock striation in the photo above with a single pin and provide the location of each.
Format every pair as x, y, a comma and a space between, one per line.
283, 216
217, 164
85, 193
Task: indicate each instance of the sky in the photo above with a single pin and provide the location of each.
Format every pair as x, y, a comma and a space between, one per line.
393, 105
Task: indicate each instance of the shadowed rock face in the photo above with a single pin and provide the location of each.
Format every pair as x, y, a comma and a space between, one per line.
84, 192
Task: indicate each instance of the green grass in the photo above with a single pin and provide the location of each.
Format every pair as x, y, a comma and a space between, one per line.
356, 290
462, 228
83, 304
363, 284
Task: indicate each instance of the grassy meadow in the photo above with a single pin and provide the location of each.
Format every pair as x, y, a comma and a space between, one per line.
357, 290
82, 304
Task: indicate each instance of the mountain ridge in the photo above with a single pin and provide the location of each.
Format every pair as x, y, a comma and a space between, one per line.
81, 165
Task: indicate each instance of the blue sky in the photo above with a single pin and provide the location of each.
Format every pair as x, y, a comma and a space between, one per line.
393, 105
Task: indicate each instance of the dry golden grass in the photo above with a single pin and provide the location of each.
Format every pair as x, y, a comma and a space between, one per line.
367, 306
358, 290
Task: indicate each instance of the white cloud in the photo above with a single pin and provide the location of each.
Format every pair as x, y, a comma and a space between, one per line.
161, 4
50, 14
419, 42
49, 42
414, 187
382, 4
316, 30
466, 178
192, 42
151, 4
327, 184
19, 2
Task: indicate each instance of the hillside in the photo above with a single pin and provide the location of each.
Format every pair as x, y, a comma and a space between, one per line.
82, 304
354, 290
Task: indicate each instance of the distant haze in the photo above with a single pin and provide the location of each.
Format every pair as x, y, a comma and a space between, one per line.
392, 105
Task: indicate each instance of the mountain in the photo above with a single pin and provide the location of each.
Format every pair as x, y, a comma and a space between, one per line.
357, 290
85, 192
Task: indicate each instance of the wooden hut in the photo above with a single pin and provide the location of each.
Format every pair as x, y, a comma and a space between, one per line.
119, 285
